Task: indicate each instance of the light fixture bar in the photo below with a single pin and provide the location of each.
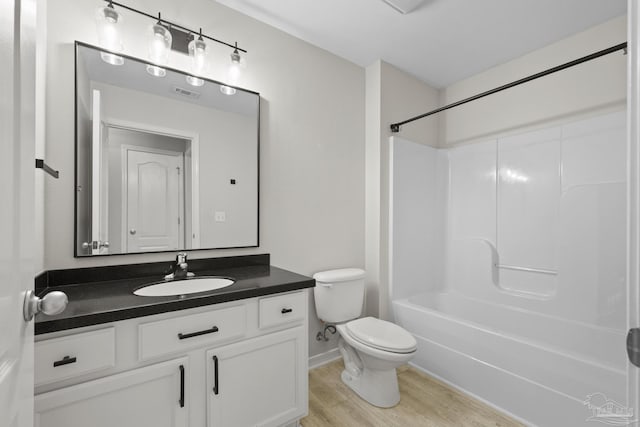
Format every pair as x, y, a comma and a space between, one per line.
172, 24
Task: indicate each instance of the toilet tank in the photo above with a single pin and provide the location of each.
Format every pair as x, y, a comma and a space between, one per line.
339, 294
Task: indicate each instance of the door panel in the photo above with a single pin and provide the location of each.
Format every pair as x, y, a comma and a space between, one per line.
17, 133
265, 371
99, 179
633, 152
154, 195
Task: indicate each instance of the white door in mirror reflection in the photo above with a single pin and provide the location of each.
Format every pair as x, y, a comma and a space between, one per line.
154, 200
99, 169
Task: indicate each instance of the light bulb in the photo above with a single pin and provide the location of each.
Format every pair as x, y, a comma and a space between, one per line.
107, 22
156, 71
198, 54
111, 58
235, 67
227, 90
159, 39
194, 81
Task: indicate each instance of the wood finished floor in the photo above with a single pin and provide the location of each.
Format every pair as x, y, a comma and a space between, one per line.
424, 401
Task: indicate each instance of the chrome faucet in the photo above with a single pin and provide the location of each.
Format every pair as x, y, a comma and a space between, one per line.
179, 270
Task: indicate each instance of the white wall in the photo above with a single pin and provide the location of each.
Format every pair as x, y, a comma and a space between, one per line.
311, 146
40, 136
392, 95
585, 89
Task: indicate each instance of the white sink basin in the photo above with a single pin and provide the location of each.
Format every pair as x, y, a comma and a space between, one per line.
183, 287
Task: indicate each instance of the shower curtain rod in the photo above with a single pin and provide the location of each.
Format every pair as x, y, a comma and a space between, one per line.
395, 127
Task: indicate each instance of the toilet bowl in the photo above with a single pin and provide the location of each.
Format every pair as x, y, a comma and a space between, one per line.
372, 349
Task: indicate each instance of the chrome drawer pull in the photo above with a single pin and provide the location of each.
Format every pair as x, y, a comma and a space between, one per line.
65, 361
197, 334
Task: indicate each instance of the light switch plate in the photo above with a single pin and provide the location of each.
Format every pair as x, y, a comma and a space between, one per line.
221, 216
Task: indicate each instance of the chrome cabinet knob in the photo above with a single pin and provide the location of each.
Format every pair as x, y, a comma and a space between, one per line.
103, 244
132, 231
51, 304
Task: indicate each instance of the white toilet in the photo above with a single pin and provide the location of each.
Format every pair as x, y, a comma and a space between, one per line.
372, 348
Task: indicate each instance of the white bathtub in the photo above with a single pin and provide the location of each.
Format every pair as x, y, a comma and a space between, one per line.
538, 368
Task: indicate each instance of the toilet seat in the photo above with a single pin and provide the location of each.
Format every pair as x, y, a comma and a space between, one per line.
381, 335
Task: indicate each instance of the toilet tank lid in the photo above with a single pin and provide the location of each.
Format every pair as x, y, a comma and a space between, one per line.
339, 275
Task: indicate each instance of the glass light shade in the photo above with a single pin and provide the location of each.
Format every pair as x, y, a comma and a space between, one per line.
159, 43
198, 54
108, 21
227, 90
194, 81
235, 67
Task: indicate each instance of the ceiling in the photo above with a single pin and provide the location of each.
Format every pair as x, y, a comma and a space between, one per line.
440, 42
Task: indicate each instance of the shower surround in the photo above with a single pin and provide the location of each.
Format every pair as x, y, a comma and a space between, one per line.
508, 264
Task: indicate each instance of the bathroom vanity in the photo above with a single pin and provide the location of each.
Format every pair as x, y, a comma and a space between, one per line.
232, 357
159, 181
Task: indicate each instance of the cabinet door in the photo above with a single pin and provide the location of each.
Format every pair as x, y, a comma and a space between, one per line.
258, 382
149, 396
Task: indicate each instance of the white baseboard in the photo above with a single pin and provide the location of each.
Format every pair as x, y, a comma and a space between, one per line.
324, 358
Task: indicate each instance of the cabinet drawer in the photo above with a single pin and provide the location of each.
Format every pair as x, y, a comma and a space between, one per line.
66, 357
287, 308
179, 333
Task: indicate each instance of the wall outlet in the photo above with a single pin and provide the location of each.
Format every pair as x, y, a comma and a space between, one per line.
221, 216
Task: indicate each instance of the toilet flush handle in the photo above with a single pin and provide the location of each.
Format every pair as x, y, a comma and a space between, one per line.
324, 285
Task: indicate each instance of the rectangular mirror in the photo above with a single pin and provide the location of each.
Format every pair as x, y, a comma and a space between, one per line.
163, 163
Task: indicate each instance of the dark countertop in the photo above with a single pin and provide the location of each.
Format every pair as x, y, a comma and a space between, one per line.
97, 302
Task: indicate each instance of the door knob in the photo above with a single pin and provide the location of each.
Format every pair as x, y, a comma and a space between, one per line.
132, 231
51, 304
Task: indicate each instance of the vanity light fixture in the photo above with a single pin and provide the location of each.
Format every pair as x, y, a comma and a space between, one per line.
108, 20
160, 40
165, 36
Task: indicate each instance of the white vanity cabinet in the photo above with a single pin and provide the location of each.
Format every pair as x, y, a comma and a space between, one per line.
149, 396
257, 382
236, 364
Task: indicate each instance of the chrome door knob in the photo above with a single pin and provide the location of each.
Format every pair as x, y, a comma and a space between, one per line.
51, 304
132, 231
